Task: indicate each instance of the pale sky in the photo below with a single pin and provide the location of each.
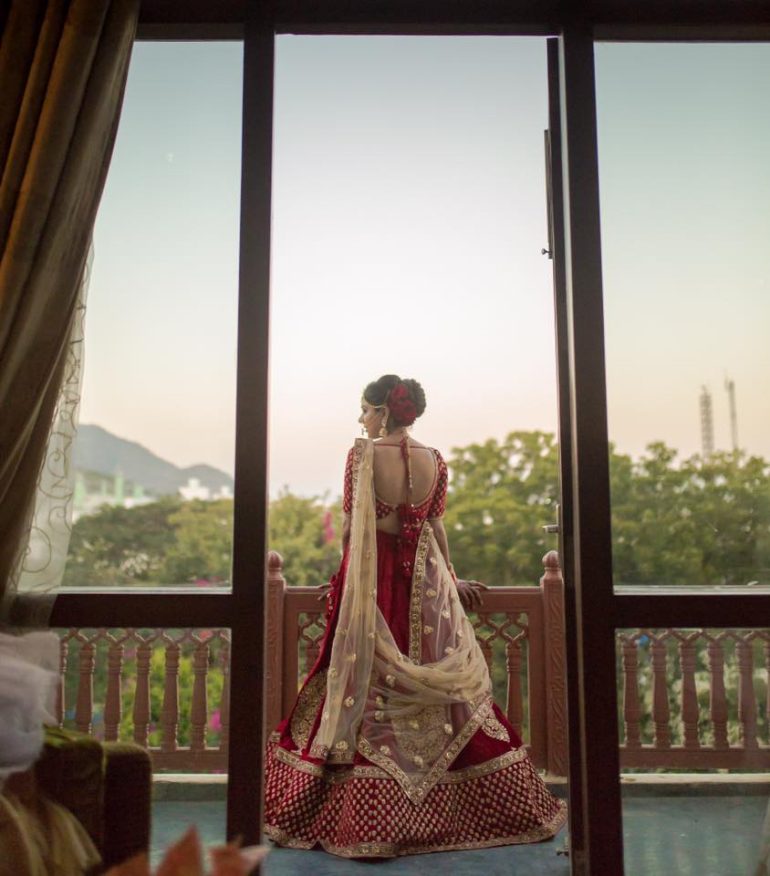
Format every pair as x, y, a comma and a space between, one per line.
408, 217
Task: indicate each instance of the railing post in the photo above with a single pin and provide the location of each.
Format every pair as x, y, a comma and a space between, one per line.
142, 693
113, 706
84, 708
747, 710
224, 708
274, 679
661, 711
61, 700
199, 711
514, 705
690, 712
718, 704
170, 710
632, 711
552, 587
766, 649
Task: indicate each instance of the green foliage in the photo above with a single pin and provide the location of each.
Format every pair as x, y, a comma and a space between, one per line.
694, 522
688, 522
500, 496
175, 542
699, 522
202, 548
121, 546
307, 534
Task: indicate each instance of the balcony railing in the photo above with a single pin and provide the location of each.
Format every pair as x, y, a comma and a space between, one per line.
114, 681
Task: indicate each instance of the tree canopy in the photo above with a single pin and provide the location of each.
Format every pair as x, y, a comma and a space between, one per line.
674, 521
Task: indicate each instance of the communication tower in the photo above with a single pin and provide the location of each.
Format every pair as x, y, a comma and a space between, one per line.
730, 387
706, 423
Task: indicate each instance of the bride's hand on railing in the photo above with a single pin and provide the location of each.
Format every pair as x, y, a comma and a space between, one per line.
323, 591
470, 593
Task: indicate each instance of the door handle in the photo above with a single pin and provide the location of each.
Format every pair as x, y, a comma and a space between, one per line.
551, 528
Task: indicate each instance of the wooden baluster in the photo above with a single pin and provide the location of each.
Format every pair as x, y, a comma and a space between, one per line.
747, 710
276, 680
718, 700
141, 712
170, 711
199, 712
661, 713
515, 704
113, 707
84, 709
313, 645
552, 588
767, 686
224, 706
485, 642
690, 712
632, 710
61, 688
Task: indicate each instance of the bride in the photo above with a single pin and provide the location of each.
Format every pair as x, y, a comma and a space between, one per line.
395, 745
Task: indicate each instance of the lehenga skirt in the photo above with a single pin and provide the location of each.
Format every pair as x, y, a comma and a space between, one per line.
491, 795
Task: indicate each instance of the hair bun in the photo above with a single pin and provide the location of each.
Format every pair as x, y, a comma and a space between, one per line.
417, 395
378, 391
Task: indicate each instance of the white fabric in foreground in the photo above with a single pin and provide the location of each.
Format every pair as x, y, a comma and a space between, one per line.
29, 672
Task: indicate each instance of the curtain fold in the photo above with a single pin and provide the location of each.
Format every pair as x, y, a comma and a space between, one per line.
63, 65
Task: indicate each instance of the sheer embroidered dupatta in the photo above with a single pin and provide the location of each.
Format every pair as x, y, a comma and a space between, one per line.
409, 714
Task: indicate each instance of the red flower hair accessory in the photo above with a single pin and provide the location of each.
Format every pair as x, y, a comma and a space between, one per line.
401, 406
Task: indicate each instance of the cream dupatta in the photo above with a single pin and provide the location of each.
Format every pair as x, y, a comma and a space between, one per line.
410, 714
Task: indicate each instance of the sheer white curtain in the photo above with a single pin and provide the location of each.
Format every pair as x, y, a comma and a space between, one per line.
40, 567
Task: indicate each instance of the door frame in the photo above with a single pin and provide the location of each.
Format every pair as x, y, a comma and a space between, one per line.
587, 536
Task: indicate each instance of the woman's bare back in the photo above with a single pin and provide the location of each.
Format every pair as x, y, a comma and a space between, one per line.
390, 478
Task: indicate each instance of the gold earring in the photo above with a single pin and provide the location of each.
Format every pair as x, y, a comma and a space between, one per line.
384, 429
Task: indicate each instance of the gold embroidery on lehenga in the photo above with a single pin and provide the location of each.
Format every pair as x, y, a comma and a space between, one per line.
421, 735
492, 727
308, 703
334, 777
388, 849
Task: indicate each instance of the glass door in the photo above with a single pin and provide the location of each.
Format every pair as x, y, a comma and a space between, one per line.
684, 187
562, 524
664, 472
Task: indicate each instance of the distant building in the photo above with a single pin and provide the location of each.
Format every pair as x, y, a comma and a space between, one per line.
94, 490
194, 489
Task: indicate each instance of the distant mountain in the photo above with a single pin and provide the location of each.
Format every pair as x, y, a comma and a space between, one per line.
98, 450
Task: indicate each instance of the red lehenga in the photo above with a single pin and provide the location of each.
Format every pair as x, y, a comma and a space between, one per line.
432, 763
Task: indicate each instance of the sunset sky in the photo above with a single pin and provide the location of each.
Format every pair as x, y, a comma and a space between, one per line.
408, 218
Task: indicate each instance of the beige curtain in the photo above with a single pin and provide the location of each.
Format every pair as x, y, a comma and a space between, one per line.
63, 68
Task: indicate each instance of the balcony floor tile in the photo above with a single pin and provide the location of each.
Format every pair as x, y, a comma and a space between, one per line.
686, 836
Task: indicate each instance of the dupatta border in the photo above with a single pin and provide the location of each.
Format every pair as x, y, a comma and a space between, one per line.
415, 601
418, 792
